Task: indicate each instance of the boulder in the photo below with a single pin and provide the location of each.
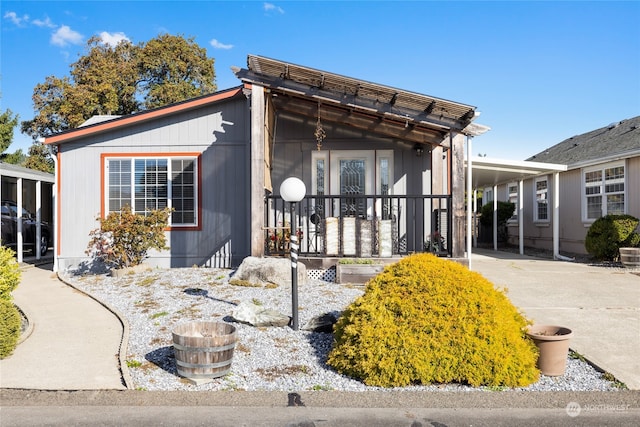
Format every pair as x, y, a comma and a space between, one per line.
257, 315
323, 323
269, 270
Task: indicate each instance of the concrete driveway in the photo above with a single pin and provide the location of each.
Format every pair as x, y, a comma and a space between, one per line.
600, 304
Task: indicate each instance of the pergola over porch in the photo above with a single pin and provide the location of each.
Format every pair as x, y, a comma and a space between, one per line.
426, 123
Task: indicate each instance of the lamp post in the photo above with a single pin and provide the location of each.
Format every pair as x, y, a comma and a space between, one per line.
293, 190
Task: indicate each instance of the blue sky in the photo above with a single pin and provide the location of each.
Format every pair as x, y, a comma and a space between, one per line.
539, 72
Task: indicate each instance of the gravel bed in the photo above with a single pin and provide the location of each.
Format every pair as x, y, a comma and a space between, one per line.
156, 301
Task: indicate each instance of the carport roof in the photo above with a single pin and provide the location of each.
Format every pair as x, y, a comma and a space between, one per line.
487, 172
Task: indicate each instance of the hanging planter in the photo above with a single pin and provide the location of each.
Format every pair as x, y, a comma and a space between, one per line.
553, 347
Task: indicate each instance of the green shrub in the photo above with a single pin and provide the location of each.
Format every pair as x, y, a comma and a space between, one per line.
505, 211
609, 233
428, 320
124, 238
9, 327
9, 273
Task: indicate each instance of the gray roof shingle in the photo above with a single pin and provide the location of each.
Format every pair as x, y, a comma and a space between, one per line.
616, 138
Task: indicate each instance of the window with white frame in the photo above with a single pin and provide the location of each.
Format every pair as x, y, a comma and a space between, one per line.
541, 202
147, 183
487, 195
512, 195
603, 191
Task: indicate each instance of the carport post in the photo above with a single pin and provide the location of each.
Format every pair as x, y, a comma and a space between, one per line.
38, 218
556, 215
469, 199
19, 227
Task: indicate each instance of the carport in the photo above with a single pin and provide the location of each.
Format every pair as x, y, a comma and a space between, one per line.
483, 172
29, 189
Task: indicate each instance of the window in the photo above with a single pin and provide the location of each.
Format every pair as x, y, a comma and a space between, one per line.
541, 210
512, 194
603, 192
487, 195
147, 183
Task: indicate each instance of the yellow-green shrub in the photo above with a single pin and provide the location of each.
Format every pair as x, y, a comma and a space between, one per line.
9, 327
9, 273
428, 320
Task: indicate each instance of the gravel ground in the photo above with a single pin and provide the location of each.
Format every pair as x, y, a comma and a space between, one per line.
156, 301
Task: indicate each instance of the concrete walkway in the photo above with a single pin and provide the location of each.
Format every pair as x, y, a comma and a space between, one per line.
74, 342
600, 304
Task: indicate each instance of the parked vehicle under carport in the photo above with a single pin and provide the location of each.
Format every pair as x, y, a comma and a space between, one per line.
9, 228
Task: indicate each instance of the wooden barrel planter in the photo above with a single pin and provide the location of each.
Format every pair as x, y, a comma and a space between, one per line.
630, 257
204, 349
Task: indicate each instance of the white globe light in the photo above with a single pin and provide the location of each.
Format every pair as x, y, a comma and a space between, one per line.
292, 189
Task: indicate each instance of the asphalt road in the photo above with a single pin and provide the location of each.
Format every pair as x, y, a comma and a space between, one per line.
317, 408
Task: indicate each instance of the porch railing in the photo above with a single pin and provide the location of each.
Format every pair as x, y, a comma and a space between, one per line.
360, 226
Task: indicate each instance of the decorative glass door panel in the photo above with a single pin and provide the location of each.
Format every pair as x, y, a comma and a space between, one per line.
352, 183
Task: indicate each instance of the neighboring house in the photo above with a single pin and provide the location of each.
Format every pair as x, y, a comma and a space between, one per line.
383, 169
29, 191
602, 177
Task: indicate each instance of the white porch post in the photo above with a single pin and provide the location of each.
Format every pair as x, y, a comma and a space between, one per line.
475, 209
520, 217
56, 218
556, 215
495, 217
469, 201
38, 217
19, 233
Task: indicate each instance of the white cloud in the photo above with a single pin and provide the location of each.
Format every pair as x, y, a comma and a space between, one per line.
216, 44
65, 35
46, 23
270, 7
112, 39
17, 20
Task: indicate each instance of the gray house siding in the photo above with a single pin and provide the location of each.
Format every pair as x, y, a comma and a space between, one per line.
572, 229
217, 132
633, 185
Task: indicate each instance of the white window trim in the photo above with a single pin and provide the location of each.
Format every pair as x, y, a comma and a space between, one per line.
169, 157
603, 194
315, 156
535, 200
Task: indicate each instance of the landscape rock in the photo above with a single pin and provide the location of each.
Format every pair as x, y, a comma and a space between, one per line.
257, 315
323, 323
269, 270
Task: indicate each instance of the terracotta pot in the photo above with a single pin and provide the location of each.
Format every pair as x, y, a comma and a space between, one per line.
553, 345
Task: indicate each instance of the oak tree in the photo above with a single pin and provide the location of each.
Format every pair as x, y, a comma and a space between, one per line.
119, 80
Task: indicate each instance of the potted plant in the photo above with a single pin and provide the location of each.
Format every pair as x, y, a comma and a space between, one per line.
553, 347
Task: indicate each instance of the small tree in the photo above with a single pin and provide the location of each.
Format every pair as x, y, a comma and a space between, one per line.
505, 211
124, 238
